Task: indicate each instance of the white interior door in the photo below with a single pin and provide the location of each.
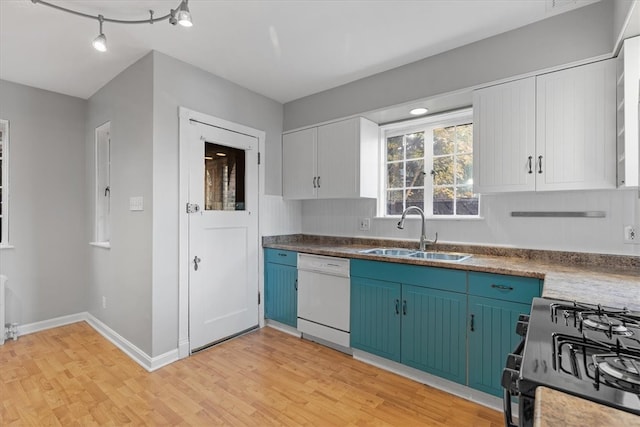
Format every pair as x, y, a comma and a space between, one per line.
223, 234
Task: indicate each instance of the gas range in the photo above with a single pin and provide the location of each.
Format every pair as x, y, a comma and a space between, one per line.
586, 350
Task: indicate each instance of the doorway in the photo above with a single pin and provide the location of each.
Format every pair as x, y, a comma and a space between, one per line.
220, 248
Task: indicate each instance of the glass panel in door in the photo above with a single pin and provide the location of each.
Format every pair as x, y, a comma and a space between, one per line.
224, 180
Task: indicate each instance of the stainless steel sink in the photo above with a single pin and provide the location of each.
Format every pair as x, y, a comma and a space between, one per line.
437, 256
388, 252
440, 256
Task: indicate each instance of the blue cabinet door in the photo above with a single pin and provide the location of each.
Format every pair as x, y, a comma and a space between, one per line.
375, 317
491, 338
433, 331
281, 295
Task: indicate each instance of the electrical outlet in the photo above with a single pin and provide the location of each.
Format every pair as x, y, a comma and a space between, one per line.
104, 302
631, 234
364, 224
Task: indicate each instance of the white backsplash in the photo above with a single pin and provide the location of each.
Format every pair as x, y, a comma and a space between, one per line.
497, 227
280, 216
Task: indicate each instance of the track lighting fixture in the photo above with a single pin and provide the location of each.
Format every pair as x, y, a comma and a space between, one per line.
181, 15
100, 42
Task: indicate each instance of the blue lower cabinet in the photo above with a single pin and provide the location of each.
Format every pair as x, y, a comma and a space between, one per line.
280, 293
433, 331
491, 338
375, 317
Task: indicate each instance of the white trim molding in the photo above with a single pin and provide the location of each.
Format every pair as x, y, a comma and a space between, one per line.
149, 363
30, 328
139, 356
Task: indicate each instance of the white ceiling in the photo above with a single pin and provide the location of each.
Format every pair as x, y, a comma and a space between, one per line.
282, 49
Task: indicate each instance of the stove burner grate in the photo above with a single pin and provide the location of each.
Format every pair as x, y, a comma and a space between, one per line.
602, 322
618, 370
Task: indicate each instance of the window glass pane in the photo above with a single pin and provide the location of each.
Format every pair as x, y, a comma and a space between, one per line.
464, 169
464, 138
466, 201
102, 180
395, 173
415, 145
443, 201
394, 202
224, 187
443, 140
415, 173
415, 197
394, 148
443, 168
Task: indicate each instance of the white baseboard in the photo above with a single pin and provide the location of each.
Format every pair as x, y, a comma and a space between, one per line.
139, 356
30, 328
147, 362
451, 387
184, 349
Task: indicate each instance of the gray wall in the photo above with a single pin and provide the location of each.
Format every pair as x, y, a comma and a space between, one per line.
179, 84
47, 266
565, 38
122, 274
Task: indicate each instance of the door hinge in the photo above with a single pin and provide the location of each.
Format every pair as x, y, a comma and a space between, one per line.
258, 298
258, 157
193, 207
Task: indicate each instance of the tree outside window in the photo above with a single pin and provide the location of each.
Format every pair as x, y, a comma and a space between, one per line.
430, 165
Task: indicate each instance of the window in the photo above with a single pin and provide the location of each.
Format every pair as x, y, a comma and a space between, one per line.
4, 182
103, 189
224, 178
429, 164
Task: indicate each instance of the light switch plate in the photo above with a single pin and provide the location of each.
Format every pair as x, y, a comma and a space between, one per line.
136, 203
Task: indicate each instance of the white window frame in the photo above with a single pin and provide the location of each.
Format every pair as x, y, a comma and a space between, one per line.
102, 207
426, 124
4, 125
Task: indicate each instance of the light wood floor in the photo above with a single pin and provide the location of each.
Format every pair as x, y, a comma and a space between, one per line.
73, 376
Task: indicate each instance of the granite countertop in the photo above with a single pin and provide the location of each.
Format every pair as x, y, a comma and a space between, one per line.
609, 280
554, 408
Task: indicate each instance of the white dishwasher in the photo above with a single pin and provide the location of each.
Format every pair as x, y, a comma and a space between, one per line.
324, 298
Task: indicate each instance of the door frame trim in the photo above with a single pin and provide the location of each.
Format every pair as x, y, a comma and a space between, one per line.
185, 121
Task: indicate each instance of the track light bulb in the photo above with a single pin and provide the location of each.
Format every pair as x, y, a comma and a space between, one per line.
184, 16
100, 43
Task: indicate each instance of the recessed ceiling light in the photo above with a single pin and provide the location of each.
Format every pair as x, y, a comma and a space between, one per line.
418, 111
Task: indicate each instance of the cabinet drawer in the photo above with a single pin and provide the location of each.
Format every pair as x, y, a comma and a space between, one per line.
507, 288
427, 277
279, 256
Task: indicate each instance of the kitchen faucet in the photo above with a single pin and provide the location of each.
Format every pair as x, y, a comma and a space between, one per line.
423, 235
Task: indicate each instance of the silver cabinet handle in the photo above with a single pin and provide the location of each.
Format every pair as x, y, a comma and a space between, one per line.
314, 182
196, 260
530, 164
318, 182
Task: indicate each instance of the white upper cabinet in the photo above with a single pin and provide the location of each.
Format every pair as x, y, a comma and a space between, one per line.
334, 161
504, 118
628, 97
576, 128
299, 172
551, 132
